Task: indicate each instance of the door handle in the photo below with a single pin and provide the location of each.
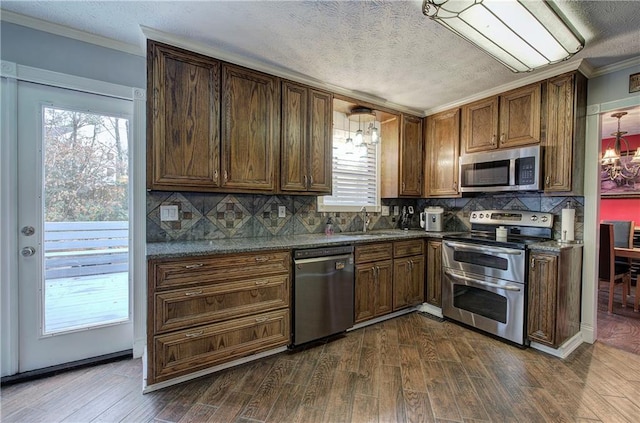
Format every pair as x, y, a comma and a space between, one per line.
27, 251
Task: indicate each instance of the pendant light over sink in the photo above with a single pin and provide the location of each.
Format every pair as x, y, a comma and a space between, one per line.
523, 35
368, 117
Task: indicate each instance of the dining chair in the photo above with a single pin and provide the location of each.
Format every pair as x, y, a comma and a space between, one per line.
608, 270
622, 232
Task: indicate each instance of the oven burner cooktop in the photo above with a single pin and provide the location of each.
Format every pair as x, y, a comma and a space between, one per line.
522, 227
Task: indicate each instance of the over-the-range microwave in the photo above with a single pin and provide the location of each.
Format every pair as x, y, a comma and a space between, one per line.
514, 169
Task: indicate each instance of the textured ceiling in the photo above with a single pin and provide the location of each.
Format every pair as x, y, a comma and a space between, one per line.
387, 49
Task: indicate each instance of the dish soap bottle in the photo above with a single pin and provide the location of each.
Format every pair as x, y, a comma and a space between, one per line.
328, 229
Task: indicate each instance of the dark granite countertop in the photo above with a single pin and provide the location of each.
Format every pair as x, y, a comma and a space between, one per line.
554, 245
158, 250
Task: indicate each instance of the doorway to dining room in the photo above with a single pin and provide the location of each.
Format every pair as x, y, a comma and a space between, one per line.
619, 200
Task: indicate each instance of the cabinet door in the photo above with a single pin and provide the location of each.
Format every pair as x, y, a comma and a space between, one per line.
320, 142
520, 116
384, 287
480, 125
564, 143
250, 129
434, 273
183, 119
543, 283
408, 282
411, 156
442, 148
365, 292
293, 163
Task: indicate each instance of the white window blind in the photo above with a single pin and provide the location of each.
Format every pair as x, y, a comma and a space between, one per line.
355, 173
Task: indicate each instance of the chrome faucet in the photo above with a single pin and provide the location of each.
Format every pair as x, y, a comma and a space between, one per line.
365, 219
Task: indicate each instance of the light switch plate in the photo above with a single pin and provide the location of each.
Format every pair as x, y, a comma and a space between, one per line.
396, 210
168, 213
282, 211
385, 210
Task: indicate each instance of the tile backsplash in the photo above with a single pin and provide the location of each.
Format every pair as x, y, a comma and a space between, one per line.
205, 216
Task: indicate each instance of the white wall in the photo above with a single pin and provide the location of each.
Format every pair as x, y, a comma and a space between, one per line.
605, 94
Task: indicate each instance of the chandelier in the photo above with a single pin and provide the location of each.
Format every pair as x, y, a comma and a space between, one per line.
621, 171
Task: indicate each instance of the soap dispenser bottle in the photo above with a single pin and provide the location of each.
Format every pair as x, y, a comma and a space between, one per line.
328, 229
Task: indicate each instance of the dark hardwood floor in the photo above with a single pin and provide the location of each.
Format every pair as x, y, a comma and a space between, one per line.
621, 329
409, 369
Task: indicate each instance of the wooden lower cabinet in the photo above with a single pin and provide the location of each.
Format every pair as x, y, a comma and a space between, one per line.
408, 281
433, 289
187, 351
554, 289
373, 290
205, 311
374, 280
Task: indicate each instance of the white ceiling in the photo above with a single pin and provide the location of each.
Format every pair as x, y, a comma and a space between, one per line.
387, 49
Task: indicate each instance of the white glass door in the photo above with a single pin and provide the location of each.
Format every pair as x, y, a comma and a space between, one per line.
73, 206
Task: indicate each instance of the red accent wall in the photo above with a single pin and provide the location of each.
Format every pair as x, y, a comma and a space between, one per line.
621, 208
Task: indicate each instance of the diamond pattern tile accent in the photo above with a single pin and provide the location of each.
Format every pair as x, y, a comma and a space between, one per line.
229, 215
188, 216
267, 215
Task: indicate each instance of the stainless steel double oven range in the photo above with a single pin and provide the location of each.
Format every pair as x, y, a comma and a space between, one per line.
484, 283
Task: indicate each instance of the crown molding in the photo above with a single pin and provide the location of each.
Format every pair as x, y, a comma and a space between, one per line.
634, 61
554, 70
238, 59
65, 31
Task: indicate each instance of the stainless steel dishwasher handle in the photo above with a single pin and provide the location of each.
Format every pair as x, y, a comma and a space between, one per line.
319, 259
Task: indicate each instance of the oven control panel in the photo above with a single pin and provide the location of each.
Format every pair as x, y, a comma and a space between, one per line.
512, 217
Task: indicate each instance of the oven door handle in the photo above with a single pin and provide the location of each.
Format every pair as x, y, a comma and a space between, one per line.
481, 282
484, 249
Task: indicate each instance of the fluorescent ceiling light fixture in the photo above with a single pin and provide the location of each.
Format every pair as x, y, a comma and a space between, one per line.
523, 35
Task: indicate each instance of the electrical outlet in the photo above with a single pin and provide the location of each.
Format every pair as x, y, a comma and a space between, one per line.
396, 210
282, 211
385, 210
168, 213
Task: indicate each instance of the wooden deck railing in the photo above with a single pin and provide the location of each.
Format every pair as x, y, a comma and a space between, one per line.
85, 248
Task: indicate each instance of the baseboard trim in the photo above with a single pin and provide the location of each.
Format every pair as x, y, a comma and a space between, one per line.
60, 368
564, 350
431, 309
160, 385
382, 318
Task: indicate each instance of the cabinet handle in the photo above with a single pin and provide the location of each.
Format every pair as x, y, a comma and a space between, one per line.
225, 176
261, 319
403, 186
533, 263
455, 185
502, 137
305, 181
493, 139
192, 293
310, 180
261, 259
262, 282
548, 180
215, 174
155, 101
193, 334
193, 266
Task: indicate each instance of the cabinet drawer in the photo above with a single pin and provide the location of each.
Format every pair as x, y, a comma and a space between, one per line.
176, 273
408, 248
373, 252
188, 351
179, 309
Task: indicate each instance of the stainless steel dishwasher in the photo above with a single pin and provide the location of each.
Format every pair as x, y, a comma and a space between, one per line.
323, 292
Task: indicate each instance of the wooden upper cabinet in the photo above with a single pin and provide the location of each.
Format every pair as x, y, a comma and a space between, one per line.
307, 121
411, 156
509, 120
480, 125
564, 123
442, 148
250, 129
520, 116
183, 131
